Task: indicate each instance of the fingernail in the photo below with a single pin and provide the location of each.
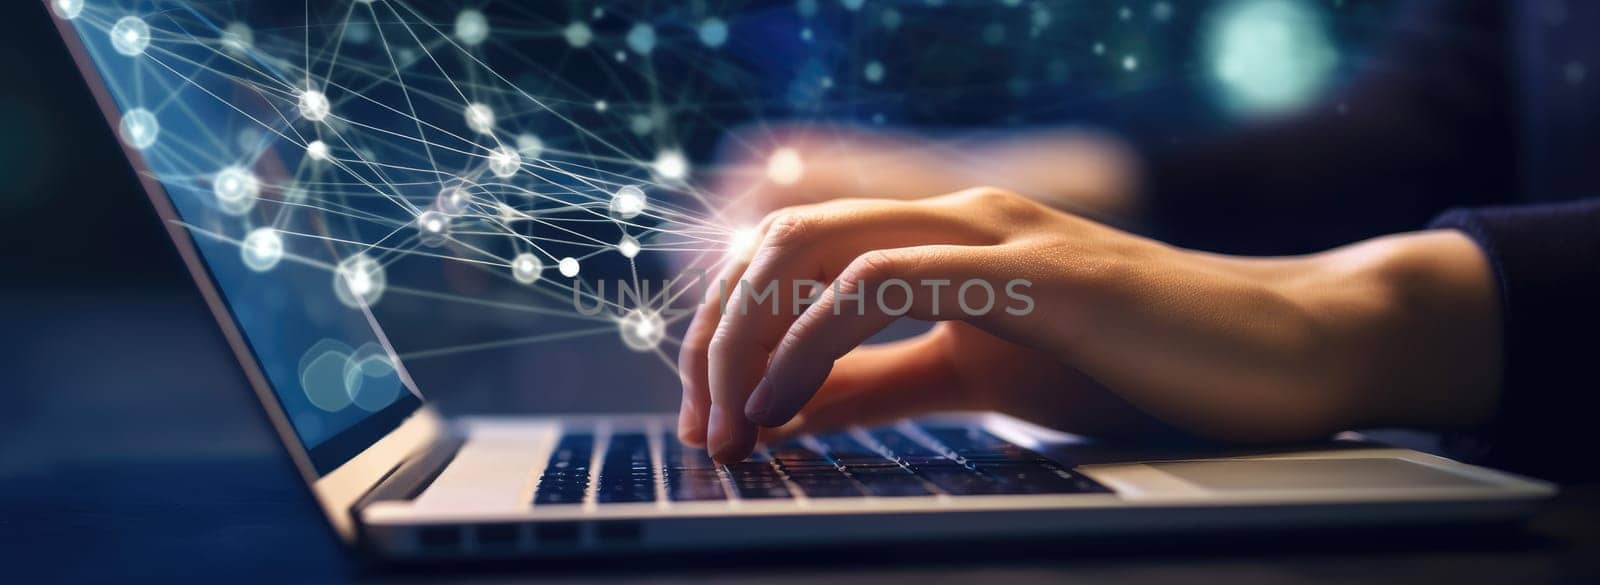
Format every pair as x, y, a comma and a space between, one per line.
760, 404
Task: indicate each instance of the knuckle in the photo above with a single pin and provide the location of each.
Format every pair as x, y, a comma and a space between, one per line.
875, 265
787, 227
1009, 206
999, 206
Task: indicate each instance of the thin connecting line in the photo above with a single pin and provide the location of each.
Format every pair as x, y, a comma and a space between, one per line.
349, 183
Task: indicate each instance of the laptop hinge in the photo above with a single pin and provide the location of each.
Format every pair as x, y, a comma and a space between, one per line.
407, 480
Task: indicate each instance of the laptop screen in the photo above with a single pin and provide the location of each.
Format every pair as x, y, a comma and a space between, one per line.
295, 248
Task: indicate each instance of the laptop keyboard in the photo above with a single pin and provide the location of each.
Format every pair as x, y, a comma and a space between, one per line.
882, 462
566, 477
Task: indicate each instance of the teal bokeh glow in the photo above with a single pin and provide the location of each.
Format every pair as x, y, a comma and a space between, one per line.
1269, 56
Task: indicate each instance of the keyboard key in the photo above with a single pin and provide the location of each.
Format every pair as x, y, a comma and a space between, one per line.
1009, 468
626, 473
757, 479
566, 475
689, 473
813, 473
875, 473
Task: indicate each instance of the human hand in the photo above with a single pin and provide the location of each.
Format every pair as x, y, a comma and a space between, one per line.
1121, 333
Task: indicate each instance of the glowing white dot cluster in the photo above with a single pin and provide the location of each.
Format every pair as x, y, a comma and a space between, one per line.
139, 128
314, 105
472, 27
628, 202
262, 249
359, 280
130, 36
671, 165
526, 268
68, 9
236, 190
480, 118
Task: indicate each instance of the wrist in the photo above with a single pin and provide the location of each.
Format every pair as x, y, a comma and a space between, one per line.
1414, 328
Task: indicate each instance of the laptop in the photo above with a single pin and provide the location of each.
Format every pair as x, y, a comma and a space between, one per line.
397, 480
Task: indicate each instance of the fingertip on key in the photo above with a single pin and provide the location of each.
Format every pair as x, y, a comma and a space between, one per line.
689, 429
724, 439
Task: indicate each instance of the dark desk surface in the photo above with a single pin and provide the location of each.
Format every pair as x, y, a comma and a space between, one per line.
129, 448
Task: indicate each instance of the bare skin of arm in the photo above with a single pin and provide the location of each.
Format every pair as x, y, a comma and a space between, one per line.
1126, 333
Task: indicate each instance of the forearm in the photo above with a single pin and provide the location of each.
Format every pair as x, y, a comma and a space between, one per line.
1415, 327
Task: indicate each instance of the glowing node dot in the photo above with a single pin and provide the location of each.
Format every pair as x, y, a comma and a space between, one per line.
641, 124
454, 200
139, 128
641, 330
1162, 11
67, 9
504, 162
642, 38
433, 227
314, 105
262, 249
713, 32
236, 189
671, 165
317, 150
472, 27
890, 19
1130, 63
852, 5
743, 243
530, 146
508, 213
526, 268
130, 36
358, 32
628, 202
578, 35
873, 72
628, 246
1269, 56
359, 280
237, 38
480, 118
568, 267
601, 106
785, 167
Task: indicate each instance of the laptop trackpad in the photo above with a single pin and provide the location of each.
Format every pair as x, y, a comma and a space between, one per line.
1313, 474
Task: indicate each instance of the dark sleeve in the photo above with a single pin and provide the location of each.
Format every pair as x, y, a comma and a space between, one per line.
1423, 126
1547, 261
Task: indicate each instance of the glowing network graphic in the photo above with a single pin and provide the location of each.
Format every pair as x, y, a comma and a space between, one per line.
372, 136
